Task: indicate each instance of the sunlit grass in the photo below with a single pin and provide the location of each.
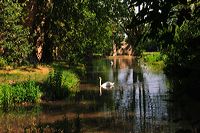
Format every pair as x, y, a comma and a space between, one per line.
22, 74
153, 60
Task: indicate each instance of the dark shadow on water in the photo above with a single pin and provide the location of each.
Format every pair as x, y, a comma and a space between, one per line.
185, 105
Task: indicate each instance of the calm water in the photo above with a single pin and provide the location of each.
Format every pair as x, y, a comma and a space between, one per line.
140, 102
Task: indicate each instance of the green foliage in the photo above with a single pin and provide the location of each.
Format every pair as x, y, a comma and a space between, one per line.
70, 81
6, 95
153, 61
14, 36
184, 52
61, 83
74, 31
54, 90
174, 25
26, 92
22, 92
152, 57
3, 62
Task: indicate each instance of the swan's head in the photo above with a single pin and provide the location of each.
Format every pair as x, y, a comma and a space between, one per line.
100, 78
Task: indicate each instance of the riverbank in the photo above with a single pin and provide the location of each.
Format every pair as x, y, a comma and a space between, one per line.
28, 84
121, 57
14, 75
152, 60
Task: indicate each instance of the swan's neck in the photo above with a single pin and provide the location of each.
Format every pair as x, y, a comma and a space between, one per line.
100, 92
100, 82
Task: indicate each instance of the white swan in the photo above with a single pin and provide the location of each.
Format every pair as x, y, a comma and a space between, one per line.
111, 63
105, 85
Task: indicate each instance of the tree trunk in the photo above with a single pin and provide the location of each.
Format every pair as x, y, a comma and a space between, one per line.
36, 20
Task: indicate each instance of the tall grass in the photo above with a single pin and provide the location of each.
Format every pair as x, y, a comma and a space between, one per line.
70, 81
26, 92
22, 92
6, 95
60, 84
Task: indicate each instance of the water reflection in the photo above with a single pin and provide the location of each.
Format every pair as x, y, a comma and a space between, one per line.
139, 97
140, 102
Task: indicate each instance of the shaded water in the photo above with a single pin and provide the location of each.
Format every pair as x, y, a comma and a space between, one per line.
140, 102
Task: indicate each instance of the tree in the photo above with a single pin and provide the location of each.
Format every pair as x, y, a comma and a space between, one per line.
14, 35
120, 15
175, 25
70, 30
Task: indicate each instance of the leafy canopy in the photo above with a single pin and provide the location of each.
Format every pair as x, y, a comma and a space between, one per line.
14, 36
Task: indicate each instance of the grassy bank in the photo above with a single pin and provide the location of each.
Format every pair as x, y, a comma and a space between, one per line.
19, 93
31, 85
15, 75
153, 60
60, 84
